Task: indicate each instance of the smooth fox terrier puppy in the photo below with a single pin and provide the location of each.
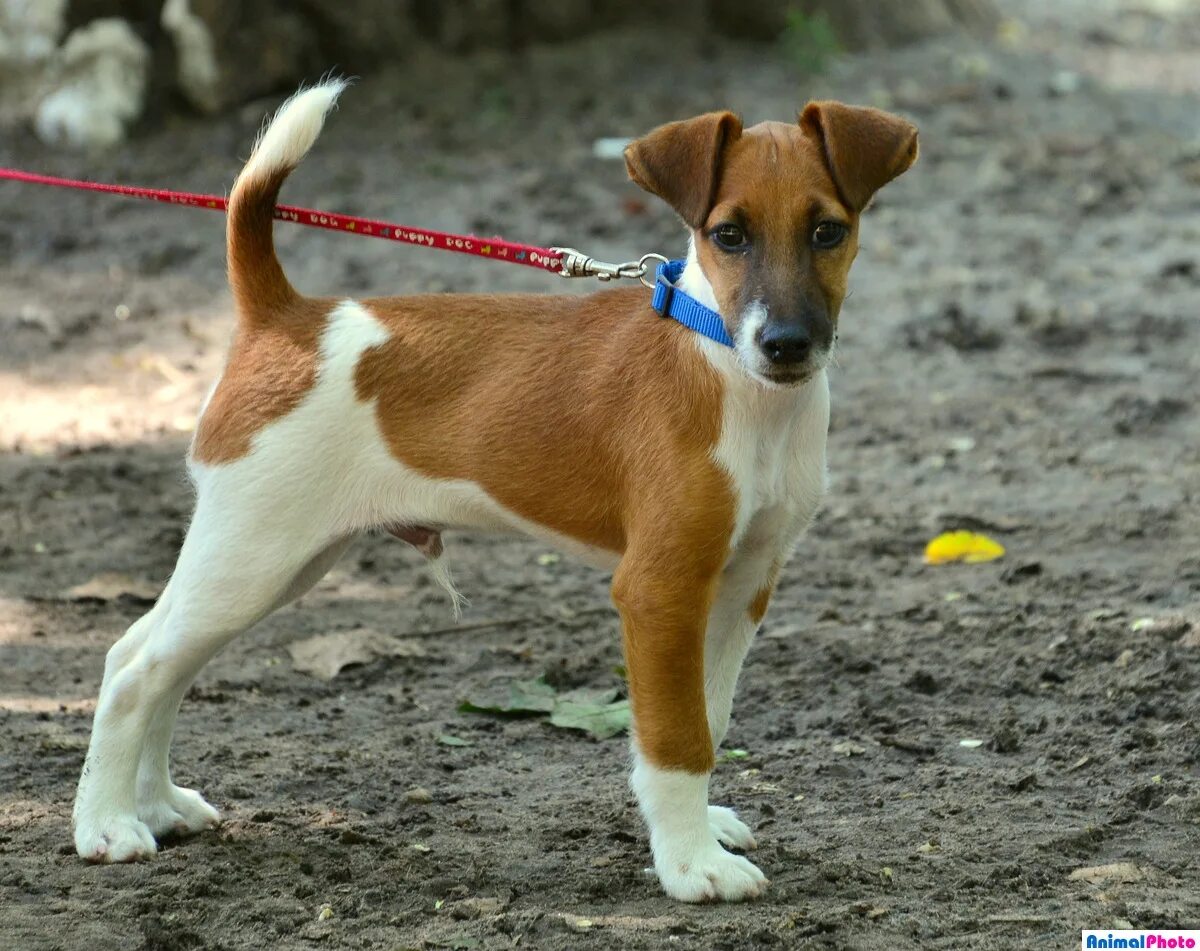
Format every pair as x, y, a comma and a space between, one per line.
686, 464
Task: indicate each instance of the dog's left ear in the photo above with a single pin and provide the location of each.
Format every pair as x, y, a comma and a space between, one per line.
680, 162
864, 148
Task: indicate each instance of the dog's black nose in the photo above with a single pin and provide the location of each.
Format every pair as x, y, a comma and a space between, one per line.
785, 343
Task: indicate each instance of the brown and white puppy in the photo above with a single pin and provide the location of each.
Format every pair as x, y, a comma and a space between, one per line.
688, 467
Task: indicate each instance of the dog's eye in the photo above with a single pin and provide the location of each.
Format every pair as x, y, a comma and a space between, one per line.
729, 236
828, 234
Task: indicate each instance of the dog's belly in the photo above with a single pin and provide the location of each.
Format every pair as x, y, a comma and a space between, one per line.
458, 504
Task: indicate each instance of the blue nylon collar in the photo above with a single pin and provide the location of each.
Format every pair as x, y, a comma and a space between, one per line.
671, 302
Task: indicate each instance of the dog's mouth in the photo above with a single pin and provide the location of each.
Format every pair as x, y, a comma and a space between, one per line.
785, 377
789, 377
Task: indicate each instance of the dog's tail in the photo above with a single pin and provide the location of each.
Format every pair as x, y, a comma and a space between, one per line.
260, 287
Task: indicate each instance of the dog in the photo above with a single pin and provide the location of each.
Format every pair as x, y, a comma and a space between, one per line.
687, 466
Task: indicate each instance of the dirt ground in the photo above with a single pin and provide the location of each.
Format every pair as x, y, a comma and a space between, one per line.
1019, 355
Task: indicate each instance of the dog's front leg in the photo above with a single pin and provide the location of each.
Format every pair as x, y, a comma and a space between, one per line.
664, 593
738, 608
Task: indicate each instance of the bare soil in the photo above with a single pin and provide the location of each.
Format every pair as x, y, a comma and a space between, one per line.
1019, 356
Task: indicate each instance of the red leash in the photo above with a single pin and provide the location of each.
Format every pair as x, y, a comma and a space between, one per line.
547, 259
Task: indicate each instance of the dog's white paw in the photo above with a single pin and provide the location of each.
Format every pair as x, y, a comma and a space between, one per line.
179, 812
709, 873
729, 829
114, 839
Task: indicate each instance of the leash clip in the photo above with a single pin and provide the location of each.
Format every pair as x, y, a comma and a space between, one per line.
577, 264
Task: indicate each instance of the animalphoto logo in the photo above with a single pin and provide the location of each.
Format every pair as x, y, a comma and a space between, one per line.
1137, 938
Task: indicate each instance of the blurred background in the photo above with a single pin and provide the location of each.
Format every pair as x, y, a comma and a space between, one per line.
936, 756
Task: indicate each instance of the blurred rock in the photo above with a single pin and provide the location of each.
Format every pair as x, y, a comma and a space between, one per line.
29, 32
198, 75
99, 88
29, 36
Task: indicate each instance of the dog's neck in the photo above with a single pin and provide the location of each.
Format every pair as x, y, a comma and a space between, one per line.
725, 359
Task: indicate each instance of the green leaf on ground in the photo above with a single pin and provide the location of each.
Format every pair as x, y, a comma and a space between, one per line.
596, 712
526, 698
599, 714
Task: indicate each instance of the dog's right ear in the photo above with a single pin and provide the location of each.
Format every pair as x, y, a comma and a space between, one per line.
680, 162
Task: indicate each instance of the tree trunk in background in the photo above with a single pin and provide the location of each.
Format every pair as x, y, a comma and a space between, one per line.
357, 35
217, 54
858, 24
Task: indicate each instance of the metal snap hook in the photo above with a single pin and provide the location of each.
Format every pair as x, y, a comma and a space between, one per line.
642, 268
577, 264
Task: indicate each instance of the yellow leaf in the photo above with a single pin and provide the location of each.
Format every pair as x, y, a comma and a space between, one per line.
962, 546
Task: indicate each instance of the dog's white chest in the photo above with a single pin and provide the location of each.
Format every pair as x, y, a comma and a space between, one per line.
773, 447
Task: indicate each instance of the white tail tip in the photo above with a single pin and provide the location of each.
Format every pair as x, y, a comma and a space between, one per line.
293, 129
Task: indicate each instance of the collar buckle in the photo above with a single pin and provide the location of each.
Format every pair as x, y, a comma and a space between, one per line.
664, 292
671, 300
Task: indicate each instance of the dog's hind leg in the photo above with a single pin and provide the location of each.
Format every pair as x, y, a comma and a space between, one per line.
245, 554
169, 809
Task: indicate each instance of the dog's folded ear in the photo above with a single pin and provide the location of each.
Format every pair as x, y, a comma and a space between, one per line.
680, 162
864, 148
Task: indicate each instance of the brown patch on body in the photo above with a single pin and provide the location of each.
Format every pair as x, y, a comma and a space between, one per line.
595, 418
565, 410
592, 416
271, 368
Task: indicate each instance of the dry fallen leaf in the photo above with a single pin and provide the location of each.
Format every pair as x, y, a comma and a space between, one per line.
962, 546
326, 655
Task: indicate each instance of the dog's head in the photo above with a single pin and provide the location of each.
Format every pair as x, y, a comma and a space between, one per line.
774, 216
